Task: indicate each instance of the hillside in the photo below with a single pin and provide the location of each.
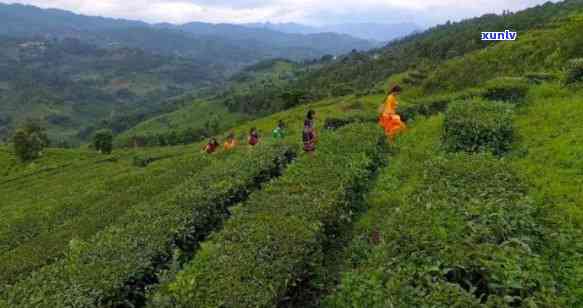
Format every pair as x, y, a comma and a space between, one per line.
477, 204
75, 73
252, 93
365, 73
359, 73
73, 87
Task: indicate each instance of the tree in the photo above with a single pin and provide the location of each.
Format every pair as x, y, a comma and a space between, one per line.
103, 141
29, 141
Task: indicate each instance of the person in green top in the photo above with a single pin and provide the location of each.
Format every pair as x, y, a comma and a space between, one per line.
279, 131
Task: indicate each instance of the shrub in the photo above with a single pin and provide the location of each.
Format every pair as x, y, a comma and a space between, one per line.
510, 89
336, 123
29, 141
574, 71
112, 268
103, 141
432, 105
478, 125
425, 107
273, 242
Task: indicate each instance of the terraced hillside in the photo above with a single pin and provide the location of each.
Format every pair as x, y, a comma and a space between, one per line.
477, 204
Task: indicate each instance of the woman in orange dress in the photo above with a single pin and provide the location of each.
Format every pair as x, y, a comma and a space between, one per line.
231, 142
389, 119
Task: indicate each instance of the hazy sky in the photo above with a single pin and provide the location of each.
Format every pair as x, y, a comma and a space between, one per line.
423, 12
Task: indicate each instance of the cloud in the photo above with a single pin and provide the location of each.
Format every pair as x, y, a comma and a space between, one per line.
425, 12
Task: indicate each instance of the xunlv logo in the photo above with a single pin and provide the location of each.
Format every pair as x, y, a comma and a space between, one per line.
499, 36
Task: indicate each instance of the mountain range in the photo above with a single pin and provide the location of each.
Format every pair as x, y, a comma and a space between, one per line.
192, 39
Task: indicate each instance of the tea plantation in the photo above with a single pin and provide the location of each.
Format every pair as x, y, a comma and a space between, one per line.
478, 204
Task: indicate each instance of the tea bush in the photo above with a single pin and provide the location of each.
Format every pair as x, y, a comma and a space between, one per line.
336, 123
112, 268
510, 89
478, 125
574, 71
272, 243
428, 106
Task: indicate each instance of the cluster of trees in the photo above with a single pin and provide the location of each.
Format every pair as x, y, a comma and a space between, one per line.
31, 139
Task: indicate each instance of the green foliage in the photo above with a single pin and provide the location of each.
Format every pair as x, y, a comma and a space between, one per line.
276, 238
452, 231
538, 77
29, 141
535, 49
187, 125
478, 125
335, 123
103, 141
109, 269
549, 156
507, 89
431, 105
75, 87
82, 193
574, 71
360, 71
142, 161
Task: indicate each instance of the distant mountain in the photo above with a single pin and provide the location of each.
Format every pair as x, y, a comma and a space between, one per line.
369, 31
26, 20
220, 43
286, 27
374, 31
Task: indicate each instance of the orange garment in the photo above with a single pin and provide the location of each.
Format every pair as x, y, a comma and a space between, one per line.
390, 120
229, 145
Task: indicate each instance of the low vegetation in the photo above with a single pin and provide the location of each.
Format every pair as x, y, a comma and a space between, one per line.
273, 242
113, 267
478, 125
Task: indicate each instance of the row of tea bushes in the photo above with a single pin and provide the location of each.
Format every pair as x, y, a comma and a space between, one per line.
113, 268
277, 238
34, 238
448, 230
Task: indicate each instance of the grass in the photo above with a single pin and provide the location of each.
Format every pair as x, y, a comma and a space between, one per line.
550, 156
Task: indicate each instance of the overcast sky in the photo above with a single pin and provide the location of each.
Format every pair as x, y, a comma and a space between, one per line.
315, 12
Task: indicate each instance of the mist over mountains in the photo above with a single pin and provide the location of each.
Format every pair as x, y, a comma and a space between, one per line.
370, 31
